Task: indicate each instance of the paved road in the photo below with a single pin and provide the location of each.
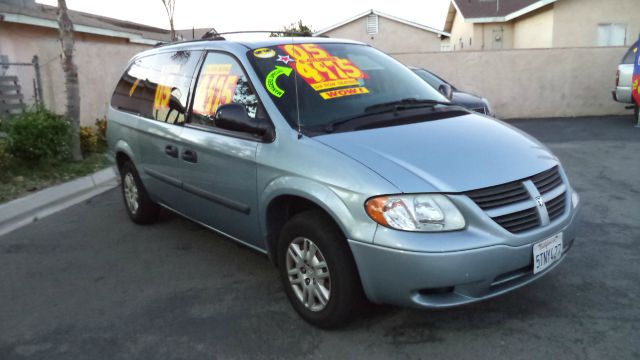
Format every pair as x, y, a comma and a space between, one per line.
88, 284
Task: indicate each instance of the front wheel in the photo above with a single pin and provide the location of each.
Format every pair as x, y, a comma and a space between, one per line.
317, 270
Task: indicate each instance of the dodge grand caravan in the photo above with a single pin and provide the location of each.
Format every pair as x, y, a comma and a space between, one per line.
353, 175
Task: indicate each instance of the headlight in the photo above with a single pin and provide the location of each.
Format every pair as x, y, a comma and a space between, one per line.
421, 212
488, 106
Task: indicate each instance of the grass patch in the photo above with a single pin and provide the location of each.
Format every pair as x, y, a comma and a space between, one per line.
19, 177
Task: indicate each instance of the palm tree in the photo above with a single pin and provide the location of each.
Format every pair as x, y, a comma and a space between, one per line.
170, 7
70, 78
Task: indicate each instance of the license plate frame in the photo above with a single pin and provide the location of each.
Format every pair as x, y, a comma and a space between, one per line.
547, 252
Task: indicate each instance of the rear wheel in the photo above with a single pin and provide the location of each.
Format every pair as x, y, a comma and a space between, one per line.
317, 270
137, 202
637, 114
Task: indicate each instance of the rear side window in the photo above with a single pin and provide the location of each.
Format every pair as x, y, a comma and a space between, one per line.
157, 86
222, 81
630, 56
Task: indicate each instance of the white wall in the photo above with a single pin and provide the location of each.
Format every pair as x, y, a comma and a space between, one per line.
100, 61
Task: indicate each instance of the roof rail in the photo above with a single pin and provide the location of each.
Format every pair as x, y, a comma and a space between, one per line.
214, 35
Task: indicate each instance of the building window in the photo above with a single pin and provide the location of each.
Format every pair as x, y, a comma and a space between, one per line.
612, 34
372, 24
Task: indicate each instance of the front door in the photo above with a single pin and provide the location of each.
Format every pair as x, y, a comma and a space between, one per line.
218, 167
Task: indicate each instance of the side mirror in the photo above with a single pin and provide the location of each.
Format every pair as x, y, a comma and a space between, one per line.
234, 117
446, 90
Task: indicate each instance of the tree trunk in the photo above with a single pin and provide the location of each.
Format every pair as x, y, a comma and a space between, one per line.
173, 31
70, 78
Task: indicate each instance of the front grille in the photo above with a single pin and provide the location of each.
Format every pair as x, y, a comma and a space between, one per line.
555, 207
492, 199
547, 180
501, 195
519, 221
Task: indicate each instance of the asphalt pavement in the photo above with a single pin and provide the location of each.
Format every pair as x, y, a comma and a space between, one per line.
86, 283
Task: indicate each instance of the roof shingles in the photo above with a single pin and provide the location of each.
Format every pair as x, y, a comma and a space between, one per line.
47, 12
472, 9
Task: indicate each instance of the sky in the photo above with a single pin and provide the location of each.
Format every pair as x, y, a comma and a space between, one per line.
258, 14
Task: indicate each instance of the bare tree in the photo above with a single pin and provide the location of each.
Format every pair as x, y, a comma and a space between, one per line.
170, 7
70, 78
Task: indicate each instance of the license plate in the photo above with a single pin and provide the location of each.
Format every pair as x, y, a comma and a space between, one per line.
546, 253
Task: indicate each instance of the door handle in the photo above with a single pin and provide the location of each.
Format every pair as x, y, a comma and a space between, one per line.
190, 156
171, 151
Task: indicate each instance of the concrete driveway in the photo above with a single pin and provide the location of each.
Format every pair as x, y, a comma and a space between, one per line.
88, 284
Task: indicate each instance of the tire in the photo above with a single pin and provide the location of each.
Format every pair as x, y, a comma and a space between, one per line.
637, 115
139, 206
334, 290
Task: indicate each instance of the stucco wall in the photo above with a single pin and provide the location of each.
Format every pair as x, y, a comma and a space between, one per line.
461, 33
576, 21
100, 63
534, 82
489, 35
471, 36
392, 36
534, 30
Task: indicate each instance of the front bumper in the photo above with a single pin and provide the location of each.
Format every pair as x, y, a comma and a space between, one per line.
450, 278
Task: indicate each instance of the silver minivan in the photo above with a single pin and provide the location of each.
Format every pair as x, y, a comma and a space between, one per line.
355, 177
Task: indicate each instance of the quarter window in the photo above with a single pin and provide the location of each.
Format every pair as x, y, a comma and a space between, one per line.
222, 81
157, 86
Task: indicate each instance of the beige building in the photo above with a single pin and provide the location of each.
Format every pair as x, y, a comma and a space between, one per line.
522, 24
103, 46
387, 33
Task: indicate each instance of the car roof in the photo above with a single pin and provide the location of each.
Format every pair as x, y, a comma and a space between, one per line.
243, 45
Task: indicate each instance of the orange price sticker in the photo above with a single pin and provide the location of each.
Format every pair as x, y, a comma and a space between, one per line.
163, 89
216, 87
320, 69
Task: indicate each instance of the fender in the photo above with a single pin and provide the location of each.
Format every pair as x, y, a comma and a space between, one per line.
359, 228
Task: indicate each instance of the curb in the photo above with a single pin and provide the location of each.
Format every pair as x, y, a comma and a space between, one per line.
25, 210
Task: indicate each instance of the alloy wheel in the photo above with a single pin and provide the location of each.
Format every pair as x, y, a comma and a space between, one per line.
131, 193
308, 273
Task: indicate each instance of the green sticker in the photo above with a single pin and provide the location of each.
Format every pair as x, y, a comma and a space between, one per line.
272, 85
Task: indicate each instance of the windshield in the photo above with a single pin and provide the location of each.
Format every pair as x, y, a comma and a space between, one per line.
334, 81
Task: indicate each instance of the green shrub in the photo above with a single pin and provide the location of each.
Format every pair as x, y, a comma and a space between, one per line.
38, 134
88, 140
5, 156
101, 126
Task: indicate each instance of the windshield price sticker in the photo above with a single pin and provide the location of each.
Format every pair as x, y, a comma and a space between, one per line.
215, 87
320, 69
332, 94
271, 83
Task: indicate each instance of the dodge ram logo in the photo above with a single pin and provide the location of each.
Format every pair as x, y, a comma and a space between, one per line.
539, 201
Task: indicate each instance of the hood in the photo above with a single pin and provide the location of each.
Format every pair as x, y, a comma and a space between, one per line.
449, 155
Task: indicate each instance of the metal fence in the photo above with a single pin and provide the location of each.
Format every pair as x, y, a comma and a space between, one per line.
20, 85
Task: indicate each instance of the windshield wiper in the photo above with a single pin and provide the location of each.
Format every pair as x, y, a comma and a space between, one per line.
408, 103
